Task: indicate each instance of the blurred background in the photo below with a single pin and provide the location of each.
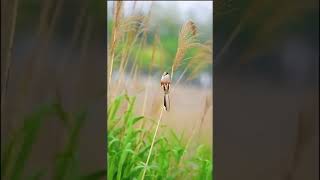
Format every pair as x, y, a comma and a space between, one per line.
53, 53
266, 89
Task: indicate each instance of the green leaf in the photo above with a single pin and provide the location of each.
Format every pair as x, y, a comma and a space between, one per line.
122, 160
7, 154
30, 130
64, 162
62, 115
128, 114
114, 108
137, 119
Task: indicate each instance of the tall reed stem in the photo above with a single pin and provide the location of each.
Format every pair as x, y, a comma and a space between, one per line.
8, 59
117, 17
182, 74
110, 73
187, 145
194, 130
153, 140
145, 98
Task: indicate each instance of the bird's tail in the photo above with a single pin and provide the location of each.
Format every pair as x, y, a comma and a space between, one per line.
166, 102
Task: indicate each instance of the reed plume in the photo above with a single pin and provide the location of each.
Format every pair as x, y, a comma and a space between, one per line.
187, 39
202, 58
131, 31
145, 29
126, 30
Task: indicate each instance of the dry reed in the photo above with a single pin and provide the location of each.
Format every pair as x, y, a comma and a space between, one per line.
8, 59
132, 33
187, 39
207, 105
202, 57
154, 47
156, 41
145, 23
200, 60
115, 35
152, 143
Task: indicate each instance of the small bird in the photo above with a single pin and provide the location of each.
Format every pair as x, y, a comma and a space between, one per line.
165, 84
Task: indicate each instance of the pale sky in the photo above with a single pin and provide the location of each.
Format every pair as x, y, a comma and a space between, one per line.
201, 10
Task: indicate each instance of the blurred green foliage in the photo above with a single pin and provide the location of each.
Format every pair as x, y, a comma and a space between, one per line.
17, 150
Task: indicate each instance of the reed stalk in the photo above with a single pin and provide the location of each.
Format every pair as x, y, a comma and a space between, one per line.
8, 58
206, 107
156, 41
152, 143
129, 48
115, 34
144, 37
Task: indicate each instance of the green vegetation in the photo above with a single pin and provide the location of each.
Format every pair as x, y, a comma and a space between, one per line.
129, 145
18, 149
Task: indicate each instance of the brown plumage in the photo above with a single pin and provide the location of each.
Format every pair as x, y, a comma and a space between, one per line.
165, 84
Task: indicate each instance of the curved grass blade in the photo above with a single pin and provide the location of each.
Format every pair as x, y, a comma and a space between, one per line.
7, 154
64, 162
113, 108
30, 129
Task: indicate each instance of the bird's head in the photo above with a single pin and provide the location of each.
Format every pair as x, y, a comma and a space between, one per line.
165, 73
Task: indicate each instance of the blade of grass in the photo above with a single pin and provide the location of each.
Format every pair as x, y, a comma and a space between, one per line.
8, 60
65, 160
7, 154
31, 129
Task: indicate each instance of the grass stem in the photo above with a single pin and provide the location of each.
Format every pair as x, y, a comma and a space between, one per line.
153, 140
